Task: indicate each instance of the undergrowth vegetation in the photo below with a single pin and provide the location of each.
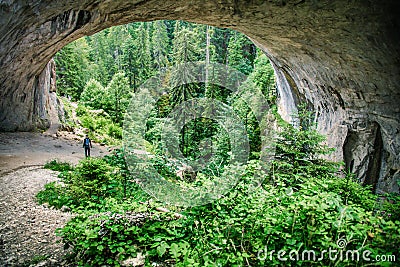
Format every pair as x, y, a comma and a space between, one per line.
97, 123
303, 205
101, 128
304, 211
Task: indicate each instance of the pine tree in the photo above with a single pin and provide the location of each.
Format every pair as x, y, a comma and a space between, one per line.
160, 45
185, 52
115, 38
263, 76
93, 95
182, 88
208, 48
102, 55
118, 95
220, 40
241, 53
143, 53
129, 57
72, 64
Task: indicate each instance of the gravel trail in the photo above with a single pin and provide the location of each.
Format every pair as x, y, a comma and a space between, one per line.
27, 230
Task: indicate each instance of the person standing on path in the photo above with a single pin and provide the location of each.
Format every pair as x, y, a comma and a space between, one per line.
87, 144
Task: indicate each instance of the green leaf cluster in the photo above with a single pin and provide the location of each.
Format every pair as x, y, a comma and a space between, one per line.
302, 205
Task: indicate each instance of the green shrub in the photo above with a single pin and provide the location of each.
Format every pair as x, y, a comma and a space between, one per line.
93, 179
101, 127
56, 165
115, 131
130, 187
389, 206
108, 238
93, 94
302, 205
81, 110
234, 229
88, 122
55, 195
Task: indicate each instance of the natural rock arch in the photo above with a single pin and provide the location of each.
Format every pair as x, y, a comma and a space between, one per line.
340, 56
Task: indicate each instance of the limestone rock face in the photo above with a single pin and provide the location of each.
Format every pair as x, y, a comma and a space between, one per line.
47, 107
341, 57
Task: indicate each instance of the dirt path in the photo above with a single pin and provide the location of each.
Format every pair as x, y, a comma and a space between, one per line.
26, 149
26, 228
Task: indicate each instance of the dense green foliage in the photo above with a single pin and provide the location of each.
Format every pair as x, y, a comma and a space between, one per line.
102, 128
102, 71
92, 181
302, 205
304, 202
72, 65
57, 165
139, 50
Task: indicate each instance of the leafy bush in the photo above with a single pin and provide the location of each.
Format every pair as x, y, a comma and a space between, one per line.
109, 238
389, 206
115, 131
55, 195
101, 127
56, 165
93, 94
91, 181
303, 205
130, 187
81, 110
113, 99
311, 218
236, 229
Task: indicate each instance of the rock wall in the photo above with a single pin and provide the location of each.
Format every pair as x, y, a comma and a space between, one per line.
47, 108
339, 56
